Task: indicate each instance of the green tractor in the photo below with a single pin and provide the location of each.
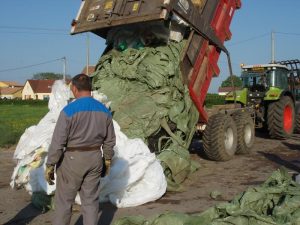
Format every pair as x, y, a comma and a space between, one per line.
273, 91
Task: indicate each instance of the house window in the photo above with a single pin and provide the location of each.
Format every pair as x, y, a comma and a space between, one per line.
45, 97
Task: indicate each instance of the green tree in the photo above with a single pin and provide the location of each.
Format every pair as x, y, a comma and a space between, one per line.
49, 76
237, 82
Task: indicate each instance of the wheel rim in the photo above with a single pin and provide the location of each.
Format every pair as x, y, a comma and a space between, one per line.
287, 118
228, 141
248, 134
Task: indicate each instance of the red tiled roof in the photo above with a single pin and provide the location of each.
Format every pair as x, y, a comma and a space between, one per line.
41, 86
228, 89
68, 81
9, 90
91, 70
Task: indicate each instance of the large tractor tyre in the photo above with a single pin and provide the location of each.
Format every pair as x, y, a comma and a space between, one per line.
220, 138
281, 118
245, 132
297, 127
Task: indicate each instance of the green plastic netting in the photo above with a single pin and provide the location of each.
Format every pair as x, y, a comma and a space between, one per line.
150, 101
276, 202
42, 201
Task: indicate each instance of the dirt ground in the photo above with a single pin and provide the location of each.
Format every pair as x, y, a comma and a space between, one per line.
229, 178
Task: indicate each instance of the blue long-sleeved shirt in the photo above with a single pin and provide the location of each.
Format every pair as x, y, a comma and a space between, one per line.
84, 122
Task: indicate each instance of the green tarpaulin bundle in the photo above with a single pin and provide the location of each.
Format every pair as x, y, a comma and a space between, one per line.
276, 202
150, 101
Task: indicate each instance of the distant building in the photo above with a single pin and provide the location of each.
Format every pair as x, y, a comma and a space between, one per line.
11, 93
225, 90
5, 84
10, 90
88, 70
37, 89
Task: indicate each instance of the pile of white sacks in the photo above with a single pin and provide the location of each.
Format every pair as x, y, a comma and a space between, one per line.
136, 176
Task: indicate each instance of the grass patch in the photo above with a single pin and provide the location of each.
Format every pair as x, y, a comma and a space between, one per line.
15, 118
17, 115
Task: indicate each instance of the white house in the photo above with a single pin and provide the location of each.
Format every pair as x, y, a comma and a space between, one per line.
225, 90
37, 89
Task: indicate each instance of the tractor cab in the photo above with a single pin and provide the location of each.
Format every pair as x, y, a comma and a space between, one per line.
268, 79
260, 83
260, 78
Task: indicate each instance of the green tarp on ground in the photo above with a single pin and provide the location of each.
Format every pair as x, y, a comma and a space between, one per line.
42, 201
277, 202
150, 101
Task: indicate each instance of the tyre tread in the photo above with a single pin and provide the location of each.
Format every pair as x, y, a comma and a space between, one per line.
213, 143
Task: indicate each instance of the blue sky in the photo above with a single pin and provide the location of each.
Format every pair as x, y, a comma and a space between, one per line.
22, 44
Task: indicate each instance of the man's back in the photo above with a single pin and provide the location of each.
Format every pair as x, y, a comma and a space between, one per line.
89, 120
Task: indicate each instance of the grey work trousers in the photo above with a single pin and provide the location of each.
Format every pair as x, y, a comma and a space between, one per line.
78, 172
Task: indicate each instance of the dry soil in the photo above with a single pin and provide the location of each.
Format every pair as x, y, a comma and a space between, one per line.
229, 178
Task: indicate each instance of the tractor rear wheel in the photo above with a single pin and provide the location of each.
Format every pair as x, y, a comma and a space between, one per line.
220, 138
297, 127
281, 118
245, 131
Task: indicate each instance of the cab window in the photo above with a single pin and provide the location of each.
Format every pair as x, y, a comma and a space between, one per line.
281, 79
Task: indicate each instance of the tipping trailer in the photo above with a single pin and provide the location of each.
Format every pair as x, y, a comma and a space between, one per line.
205, 26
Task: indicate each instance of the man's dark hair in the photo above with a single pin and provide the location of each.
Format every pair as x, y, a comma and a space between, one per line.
82, 82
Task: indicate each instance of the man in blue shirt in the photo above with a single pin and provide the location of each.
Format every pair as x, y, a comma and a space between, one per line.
83, 128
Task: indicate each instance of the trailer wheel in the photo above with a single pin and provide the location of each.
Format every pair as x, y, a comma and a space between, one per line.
245, 132
281, 118
220, 138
